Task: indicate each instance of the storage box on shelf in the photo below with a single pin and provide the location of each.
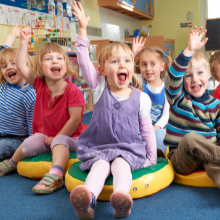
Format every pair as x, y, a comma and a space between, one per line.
139, 9
167, 45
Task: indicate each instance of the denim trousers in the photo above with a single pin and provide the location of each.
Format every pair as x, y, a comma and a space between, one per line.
160, 134
193, 153
8, 146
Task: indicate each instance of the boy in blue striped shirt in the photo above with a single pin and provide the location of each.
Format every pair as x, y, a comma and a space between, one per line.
17, 99
194, 121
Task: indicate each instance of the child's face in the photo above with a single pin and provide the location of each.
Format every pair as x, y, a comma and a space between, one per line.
54, 66
118, 69
151, 66
196, 79
10, 72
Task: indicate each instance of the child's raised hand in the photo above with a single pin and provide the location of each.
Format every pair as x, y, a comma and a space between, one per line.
82, 19
25, 34
16, 30
137, 45
195, 42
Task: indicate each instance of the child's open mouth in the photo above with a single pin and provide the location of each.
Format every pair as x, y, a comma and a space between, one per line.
196, 88
55, 70
11, 75
149, 74
122, 77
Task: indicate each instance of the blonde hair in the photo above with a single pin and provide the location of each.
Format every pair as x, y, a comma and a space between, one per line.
200, 57
48, 48
11, 52
214, 62
164, 58
106, 52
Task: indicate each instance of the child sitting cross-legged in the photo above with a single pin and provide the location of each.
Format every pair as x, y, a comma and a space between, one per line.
194, 122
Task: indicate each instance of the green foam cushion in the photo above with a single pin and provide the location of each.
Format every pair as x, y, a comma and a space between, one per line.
46, 157
77, 173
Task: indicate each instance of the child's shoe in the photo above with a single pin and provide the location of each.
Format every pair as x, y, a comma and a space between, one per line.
6, 167
83, 201
48, 184
121, 202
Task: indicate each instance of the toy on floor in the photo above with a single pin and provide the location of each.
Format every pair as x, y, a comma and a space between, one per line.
146, 181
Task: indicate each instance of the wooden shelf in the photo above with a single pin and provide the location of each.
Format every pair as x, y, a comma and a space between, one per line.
125, 9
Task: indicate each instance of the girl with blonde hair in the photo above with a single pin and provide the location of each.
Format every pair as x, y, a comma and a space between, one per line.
111, 143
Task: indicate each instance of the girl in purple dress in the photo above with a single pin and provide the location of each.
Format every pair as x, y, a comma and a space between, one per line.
112, 142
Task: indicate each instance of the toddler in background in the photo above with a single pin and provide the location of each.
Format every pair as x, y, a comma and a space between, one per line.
214, 62
57, 120
111, 143
153, 64
17, 99
194, 124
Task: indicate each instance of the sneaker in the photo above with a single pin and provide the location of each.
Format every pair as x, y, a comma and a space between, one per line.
83, 201
121, 202
6, 167
48, 184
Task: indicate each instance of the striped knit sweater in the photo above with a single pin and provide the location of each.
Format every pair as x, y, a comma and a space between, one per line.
187, 113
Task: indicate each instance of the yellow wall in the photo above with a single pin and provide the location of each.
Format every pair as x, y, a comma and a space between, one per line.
168, 16
91, 8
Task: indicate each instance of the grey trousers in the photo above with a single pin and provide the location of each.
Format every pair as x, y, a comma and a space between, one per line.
194, 152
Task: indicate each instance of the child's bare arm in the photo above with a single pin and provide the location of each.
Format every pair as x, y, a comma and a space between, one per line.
82, 19
21, 55
73, 122
195, 42
15, 33
137, 45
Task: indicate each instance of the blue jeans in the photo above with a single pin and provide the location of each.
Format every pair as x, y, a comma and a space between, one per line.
8, 146
160, 134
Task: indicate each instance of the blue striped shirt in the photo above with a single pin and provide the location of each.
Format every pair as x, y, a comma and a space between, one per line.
16, 109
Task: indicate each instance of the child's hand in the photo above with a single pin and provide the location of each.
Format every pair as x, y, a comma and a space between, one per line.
195, 42
16, 30
137, 46
82, 19
25, 34
48, 141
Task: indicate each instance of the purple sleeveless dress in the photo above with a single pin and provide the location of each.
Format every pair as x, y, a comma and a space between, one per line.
113, 132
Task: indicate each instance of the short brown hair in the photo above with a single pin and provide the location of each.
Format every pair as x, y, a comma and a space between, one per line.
199, 56
48, 48
11, 52
214, 62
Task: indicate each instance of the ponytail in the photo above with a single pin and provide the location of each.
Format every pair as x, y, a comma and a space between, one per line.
136, 83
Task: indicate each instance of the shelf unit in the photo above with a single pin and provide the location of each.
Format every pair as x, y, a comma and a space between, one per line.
139, 9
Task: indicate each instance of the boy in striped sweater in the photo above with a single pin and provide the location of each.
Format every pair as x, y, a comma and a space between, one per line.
194, 122
17, 99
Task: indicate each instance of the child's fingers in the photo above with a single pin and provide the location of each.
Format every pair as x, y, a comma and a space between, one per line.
80, 7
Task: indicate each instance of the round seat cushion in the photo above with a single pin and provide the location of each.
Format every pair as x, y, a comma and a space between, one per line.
37, 167
197, 179
146, 181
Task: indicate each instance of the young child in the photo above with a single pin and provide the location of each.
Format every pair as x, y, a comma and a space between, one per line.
17, 100
153, 64
194, 123
214, 62
111, 143
57, 120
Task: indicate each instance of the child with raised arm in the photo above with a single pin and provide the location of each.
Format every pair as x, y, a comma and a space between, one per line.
111, 143
17, 99
194, 124
153, 64
57, 120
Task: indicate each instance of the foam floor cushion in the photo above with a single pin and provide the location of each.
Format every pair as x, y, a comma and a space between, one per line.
37, 167
146, 181
197, 179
